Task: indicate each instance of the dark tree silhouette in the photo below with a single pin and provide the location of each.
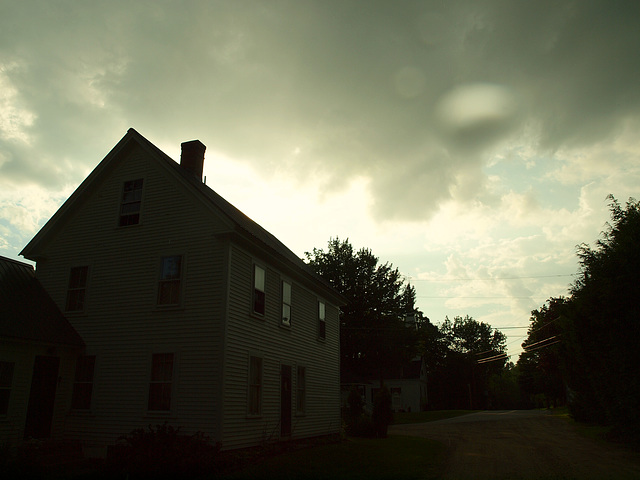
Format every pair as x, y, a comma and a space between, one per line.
462, 355
540, 371
374, 337
601, 331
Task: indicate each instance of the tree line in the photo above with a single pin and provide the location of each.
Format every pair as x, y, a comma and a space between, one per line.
582, 350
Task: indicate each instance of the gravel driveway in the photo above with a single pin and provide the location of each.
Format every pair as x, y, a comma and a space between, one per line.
522, 444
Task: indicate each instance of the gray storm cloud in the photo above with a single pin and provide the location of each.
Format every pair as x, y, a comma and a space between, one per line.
411, 95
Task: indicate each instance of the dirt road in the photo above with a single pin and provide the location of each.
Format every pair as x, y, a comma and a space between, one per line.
522, 445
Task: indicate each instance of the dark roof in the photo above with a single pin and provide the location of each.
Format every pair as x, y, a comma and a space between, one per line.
26, 310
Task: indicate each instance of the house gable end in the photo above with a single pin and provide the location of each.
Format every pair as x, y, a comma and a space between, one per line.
36, 248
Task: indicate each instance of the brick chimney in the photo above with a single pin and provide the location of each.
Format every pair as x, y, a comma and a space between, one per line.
192, 157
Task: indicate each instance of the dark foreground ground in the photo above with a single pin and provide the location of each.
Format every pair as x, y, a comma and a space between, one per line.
526, 444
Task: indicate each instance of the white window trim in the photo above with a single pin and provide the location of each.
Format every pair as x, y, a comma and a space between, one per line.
255, 313
86, 289
121, 202
282, 304
320, 320
181, 293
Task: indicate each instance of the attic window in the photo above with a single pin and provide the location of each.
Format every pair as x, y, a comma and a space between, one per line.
131, 202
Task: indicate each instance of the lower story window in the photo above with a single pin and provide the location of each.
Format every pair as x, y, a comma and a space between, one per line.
83, 383
161, 382
255, 386
6, 380
301, 390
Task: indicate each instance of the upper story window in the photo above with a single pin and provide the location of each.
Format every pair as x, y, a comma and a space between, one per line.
322, 325
6, 381
83, 382
169, 285
258, 290
286, 303
76, 293
131, 202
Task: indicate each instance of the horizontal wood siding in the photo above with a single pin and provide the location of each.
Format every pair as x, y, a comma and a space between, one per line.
122, 324
248, 335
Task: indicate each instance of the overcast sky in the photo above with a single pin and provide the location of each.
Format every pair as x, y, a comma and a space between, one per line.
471, 144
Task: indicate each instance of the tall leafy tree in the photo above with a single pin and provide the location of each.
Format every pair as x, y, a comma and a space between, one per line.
469, 352
373, 334
602, 328
468, 336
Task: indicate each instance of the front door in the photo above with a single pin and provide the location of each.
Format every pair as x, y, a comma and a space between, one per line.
42, 397
285, 400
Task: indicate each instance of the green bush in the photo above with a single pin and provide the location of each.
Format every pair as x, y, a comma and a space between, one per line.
163, 452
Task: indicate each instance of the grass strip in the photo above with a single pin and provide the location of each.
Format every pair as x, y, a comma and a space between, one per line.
395, 457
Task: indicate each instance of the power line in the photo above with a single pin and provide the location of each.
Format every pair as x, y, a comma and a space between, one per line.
492, 359
486, 351
466, 279
528, 347
541, 346
495, 359
546, 324
457, 296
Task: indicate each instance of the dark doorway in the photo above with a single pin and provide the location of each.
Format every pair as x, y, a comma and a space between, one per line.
285, 400
42, 397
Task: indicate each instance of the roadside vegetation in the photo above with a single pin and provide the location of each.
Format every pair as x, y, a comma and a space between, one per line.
582, 351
